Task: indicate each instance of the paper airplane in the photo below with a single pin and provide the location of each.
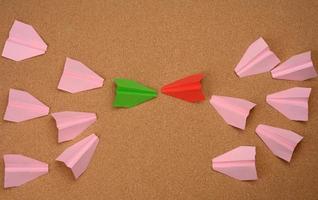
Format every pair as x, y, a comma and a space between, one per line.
19, 169
77, 77
281, 142
131, 93
71, 124
23, 42
78, 156
188, 88
292, 103
257, 59
296, 68
234, 111
238, 163
23, 106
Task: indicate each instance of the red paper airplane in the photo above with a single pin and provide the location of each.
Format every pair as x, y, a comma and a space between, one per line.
188, 89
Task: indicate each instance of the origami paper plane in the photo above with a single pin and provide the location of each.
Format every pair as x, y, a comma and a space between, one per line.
23, 42
188, 88
131, 93
296, 68
281, 142
257, 59
78, 156
23, 106
238, 163
234, 111
292, 103
71, 124
19, 169
77, 77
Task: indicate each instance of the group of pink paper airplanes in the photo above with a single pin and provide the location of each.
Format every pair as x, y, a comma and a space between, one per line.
239, 163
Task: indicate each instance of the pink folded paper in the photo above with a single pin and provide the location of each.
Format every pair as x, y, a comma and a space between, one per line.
234, 111
19, 169
292, 103
71, 124
296, 68
257, 59
78, 156
238, 163
23, 106
23, 42
77, 77
281, 142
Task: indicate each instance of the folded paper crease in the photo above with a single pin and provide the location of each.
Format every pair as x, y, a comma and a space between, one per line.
188, 89
238, 163
257, 59
297, 68
19, 169
234, 111
70, 124
23, 42
130, 93
77, 77
292, 103
23, 106
78, 156
280, 141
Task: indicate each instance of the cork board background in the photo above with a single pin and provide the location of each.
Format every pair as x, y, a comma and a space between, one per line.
161, 149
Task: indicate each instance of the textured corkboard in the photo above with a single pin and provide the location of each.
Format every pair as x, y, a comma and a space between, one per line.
161, 149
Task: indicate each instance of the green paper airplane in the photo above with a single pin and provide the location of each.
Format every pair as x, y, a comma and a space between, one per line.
131, 93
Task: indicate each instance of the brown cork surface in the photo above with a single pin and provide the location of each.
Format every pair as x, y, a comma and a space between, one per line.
161, 149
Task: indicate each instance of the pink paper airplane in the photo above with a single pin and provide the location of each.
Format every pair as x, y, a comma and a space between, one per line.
292, 103
77, 77
23, 42
78, 156
71, 124
257, 59
23, 106
281, 142
238, 163
234, 111
296, 68
19, 169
